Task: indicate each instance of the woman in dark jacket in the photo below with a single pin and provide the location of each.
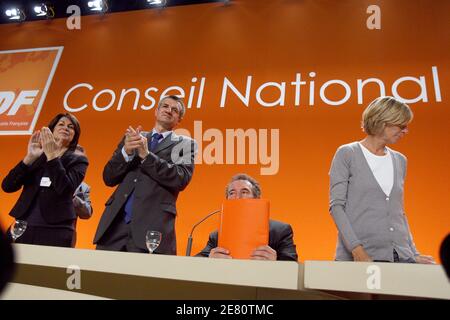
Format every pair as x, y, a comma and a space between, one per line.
49, 174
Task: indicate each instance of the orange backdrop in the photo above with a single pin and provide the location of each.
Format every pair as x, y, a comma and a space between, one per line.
272, 41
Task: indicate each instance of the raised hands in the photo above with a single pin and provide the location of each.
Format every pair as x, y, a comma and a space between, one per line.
134, 141
34, 148
52, 148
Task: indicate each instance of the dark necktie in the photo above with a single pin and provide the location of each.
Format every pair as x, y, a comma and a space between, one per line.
154, 141
129, 204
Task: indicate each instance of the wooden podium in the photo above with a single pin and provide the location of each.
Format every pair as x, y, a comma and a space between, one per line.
46, 272
122, 275
377, 280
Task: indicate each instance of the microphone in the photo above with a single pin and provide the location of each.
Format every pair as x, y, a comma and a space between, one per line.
189, 244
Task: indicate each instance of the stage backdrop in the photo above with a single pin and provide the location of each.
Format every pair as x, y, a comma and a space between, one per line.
272, 87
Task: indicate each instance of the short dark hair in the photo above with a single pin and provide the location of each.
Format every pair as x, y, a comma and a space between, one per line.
76, 125
177, 99
256, 189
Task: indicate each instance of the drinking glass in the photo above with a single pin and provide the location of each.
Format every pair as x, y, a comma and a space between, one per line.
17, 229
152, 240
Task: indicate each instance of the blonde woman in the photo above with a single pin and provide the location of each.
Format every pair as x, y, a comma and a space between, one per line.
366, 190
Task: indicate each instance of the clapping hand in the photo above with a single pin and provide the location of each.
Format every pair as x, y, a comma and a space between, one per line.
34, 148
52, 149
135, 141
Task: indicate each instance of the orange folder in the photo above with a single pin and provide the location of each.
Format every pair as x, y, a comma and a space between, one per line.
244, 226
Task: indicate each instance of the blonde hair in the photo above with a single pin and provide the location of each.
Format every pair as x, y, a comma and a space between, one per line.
385, 111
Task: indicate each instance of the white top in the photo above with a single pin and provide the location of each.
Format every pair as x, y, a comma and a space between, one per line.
382, 168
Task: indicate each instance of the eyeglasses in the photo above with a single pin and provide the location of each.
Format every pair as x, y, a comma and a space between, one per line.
401, 127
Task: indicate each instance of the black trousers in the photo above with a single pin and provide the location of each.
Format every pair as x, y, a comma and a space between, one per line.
397, 259
118, 237
57, 237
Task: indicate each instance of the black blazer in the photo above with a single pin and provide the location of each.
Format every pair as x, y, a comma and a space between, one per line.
65, 173
156, 182
280, 239
6, 261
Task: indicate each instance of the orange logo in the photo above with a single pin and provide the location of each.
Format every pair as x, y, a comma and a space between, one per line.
25, 77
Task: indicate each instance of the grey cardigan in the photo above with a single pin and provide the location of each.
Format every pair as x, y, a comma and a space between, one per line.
363, 214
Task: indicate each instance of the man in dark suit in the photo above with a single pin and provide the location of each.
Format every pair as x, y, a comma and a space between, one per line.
150, 169
281, 244
6, 261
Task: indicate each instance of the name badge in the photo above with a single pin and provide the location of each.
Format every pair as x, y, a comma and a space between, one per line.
45, 182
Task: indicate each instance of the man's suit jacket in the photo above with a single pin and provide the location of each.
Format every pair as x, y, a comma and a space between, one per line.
280, 239
156, 182
65, 173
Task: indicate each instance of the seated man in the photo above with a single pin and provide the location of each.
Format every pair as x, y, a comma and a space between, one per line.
281, 244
